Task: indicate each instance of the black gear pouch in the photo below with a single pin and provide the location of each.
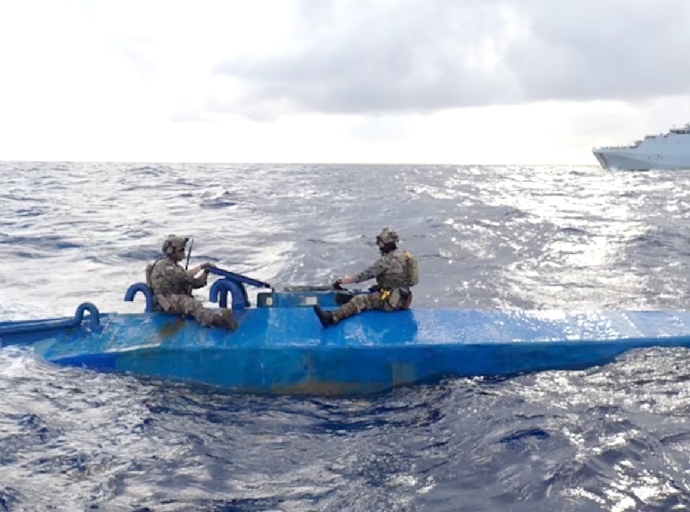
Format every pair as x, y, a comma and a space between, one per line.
343, 298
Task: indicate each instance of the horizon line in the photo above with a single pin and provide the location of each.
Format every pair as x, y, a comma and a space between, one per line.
283, 163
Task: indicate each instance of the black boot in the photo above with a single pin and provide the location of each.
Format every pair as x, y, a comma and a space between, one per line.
326, 317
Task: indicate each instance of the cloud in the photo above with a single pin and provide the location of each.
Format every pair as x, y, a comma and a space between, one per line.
416, 56
610, 50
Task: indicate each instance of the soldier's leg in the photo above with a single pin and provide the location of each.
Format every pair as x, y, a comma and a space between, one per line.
171, 304
359, 303
364, 302
208, 317
195, 309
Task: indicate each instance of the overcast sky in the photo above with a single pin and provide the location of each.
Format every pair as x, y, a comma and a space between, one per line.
377, 81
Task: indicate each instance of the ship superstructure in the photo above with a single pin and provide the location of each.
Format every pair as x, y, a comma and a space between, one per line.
665, 151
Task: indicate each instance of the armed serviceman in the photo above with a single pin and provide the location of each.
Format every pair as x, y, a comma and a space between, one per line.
172, 286
395, 272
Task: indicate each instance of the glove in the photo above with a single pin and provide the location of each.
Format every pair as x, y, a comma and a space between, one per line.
375, 288
336, 285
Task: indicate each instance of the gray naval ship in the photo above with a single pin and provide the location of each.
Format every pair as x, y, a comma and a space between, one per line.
665, 151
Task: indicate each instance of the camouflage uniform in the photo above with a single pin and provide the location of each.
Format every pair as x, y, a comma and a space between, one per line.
172, 290
394, 292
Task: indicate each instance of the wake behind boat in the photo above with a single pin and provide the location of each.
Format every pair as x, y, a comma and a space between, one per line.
669, 151
281, 348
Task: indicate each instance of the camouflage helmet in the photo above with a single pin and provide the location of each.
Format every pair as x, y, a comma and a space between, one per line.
173, 242
387, 236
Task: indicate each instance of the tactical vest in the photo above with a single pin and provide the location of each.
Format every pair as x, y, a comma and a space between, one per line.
409, 275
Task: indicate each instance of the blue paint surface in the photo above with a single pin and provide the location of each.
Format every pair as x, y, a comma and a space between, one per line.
284, 350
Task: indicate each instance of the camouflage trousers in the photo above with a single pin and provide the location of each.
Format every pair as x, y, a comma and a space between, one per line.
186, 305
368, 301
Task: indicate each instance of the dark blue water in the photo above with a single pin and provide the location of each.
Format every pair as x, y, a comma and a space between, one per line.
612, 438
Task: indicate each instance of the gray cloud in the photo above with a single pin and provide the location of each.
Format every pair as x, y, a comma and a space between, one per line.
588, 50
416, 56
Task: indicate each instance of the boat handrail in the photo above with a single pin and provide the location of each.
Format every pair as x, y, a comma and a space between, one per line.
30, 327
145, 290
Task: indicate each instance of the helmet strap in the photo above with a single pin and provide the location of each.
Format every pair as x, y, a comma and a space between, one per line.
386, 248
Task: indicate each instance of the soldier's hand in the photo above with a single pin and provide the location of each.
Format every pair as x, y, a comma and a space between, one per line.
336, 285
207, 265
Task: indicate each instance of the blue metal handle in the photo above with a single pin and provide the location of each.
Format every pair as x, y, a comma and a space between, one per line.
94, 315
219, 293
145, 290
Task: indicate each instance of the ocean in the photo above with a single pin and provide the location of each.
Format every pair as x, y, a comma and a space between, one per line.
610, 438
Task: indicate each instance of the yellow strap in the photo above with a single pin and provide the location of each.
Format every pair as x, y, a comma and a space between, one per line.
385, 294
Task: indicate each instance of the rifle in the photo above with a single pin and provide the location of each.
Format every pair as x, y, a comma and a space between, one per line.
189, 253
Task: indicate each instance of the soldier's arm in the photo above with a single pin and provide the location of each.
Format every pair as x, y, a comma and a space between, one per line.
378, 268
199, 282
204, 266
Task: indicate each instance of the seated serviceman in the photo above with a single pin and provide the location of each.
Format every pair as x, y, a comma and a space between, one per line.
395, 272
172, 286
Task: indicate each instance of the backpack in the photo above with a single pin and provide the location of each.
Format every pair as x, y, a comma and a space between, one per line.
411, 270
149, 272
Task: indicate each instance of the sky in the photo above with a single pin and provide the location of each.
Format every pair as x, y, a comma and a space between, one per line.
339, 81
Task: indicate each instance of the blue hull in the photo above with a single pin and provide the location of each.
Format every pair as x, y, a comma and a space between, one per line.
284, 350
